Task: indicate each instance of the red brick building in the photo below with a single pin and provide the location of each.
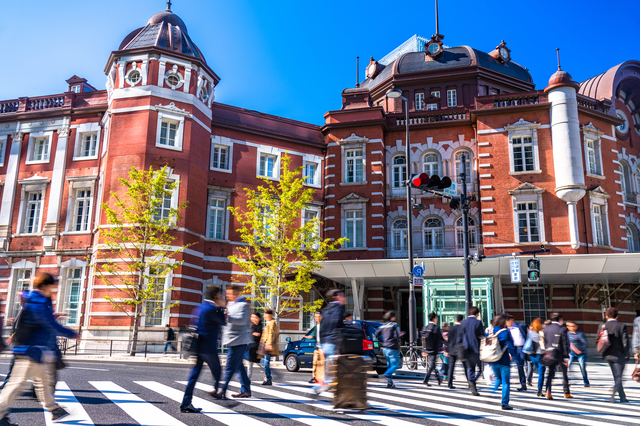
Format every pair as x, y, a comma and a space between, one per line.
555, 167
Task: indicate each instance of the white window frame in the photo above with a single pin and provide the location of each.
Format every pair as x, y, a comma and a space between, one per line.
315, 179
3, 149
354, 158
61, 305
457, 163
523, 129
174, 71
12, 292
626, 182
459, 231
437, 248
81, 131
593, 136
435, 93
75, 88
524, 194
399, 183
598, 201
400, 234
357, 221
429, 165
34, 184
272, 152
75, 184
419, 102
316, 209
528, 213
633, 237
432, 107
350, 203
165, 117
175, 195
220, 141
134, 68
452, 98
166, 300
33, 137
222, 193
348, 144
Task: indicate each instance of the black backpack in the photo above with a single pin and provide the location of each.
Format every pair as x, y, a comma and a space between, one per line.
351, 339
22, 329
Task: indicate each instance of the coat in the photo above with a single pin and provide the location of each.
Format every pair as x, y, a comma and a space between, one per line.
433, 340
472, 332
271, 336
210, 320
455, 338
619, 340
557, 336
332, 320
636, 335
506, 341
238, 329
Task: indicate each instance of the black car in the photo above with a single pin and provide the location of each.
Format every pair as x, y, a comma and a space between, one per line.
299, 354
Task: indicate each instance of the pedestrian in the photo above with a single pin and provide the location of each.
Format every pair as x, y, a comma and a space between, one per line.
256, 333
34, 358
444, 359
636, 336
318, 356
237, 336
535, 354
519, 335
169, 338
454, 348
22, 300
210, 318
472, 331
270, 340
555, 338
389, 336
616, 353
502, 367
432, 346
332, 321
578, 350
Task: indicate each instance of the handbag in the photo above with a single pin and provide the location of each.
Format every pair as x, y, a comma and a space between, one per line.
549, 357
603, 341
262, 349
636, 373
190, 342
528, 346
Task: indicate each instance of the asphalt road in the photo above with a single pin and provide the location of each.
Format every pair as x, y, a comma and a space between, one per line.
107, 393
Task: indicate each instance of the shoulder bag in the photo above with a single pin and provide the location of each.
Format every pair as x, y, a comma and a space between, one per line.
603, 340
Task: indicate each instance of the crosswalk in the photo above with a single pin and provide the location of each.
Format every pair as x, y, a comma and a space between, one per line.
291, 402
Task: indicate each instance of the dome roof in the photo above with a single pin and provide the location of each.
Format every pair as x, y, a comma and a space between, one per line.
561, 78
164, 30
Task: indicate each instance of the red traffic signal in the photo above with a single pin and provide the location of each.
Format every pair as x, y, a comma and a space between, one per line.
419, 180
424, 182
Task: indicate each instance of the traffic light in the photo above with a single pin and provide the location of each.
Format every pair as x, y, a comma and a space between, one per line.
455, 202
534, 270
425, 182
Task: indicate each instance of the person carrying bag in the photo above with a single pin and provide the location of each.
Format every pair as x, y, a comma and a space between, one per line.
269, 345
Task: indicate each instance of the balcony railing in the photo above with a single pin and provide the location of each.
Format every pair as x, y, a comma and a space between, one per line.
428, 252
437, 116
9, 106
37, 104
630, 197
593, 104
510, 100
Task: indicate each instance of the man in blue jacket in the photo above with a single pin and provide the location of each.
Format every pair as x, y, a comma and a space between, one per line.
472, 331
34, 358
332, 320
210, 318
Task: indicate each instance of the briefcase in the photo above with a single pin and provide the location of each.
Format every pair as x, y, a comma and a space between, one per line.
350, 374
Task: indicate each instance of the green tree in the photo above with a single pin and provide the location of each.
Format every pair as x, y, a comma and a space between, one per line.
282, 249
136, 246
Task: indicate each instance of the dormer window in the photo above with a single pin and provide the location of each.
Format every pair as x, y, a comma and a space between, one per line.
133, 77
419, 101
173, 78
75, 89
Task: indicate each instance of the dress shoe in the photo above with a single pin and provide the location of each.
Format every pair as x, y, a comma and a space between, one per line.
568, 395
439, 380
427, 384
474, 389
587, 385
58, 413
6, 422
522, 389
218, 395
313, 380
390, 385
242, 395
267, 383
549, 395
539, 393
624, 400
190, 409
530, 384
451, 387
507, 407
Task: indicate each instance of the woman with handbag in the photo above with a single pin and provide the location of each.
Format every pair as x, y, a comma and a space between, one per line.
269, 345
535, 353
612, 345
256, 333
502, 367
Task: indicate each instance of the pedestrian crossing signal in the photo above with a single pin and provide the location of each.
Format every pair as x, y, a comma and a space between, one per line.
534, 270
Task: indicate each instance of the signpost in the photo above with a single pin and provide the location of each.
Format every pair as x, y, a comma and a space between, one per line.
515, 270
418, 281
418, 271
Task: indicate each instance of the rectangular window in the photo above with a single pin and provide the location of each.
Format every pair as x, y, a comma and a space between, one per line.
267, 165
168, 132
432, 107
32, 213
307, 216
354, 166
39, 149
82, 210
220, 157
419, 100
154, 306
522, 154
75, 89
88, 144
164, 209
23, 281
534, 303
217, 212
452, 98
3, 143
592, 148
528, 224
435, 93
355, 228
310, 173
72, 291
598, 224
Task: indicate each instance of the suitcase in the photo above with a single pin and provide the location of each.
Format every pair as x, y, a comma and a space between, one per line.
350, 374
351, 339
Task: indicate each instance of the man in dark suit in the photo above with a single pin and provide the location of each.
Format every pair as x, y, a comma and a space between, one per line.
433, 342
472, 331
454, 348
556, 339
616, 354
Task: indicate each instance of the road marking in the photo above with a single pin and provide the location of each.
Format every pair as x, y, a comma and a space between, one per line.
87, 368
67, 400
143, 412
215, 411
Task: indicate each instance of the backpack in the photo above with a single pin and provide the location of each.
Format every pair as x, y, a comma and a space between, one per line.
351, 339
603, 341
22, 330
490, 348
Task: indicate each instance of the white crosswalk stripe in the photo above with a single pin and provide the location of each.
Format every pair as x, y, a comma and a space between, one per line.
77, 414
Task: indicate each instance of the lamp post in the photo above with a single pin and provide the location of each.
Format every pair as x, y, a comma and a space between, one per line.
394, 94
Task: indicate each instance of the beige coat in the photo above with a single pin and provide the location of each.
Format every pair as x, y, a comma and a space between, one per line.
271, 336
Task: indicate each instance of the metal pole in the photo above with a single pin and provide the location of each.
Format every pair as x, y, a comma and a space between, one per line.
465, 237
412, 292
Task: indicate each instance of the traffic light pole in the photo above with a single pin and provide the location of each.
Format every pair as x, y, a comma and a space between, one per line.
464, 202
412, 290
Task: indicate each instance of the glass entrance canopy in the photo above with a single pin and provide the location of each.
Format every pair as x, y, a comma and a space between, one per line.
445, 297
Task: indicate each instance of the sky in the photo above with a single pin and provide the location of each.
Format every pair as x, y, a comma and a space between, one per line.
294, 58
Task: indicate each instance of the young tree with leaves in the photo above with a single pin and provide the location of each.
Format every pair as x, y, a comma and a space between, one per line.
282, 250
136, 248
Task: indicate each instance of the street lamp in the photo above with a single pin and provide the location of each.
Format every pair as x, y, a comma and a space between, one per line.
394, 94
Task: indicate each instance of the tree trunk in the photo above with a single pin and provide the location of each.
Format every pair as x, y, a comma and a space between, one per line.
134, 331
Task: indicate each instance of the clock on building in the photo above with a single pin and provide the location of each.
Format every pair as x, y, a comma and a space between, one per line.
434, 47
373, 68
503, 53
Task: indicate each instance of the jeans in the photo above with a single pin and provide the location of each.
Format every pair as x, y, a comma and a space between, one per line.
330, 351
535, 363
471, 363
213, 362
393, 362
520, 365
503, 377
266, 363
431, 359
617, 368
582, 362
167, 345
234, 365
444, 367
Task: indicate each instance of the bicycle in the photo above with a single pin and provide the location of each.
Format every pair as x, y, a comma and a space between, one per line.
412, 358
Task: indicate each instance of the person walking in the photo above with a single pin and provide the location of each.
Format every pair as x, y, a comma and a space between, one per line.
433, 343
502, 367
237, 336
210, 316
555, 338
22, 300
472, 331
533, 333
318, 356
34, 359
256, 333
454, 348
169, 339
616, 353
578, 350
519, 335
389, 336
444, 359
332, 321
636, 336
270, 339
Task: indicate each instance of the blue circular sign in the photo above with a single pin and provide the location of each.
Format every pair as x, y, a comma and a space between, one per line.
418, 271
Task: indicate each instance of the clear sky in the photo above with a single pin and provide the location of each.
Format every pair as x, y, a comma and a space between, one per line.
293, 58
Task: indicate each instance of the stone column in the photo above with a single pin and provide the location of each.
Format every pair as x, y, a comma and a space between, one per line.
8, 195
51, 229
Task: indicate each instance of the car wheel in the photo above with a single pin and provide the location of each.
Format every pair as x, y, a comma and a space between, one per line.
380, 371
291, 362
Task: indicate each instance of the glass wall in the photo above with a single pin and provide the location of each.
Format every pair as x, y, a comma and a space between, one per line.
446, 298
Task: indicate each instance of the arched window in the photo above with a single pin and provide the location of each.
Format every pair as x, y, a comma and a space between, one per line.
473, 241
458, 165
625, 182
433, 232
399, 235
399, 171
633, 238
431, 163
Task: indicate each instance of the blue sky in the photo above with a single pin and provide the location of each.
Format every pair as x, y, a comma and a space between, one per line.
293, 58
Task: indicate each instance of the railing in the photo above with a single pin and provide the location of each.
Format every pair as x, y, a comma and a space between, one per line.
510, 100
9, 106
593, 104
37, 104
630, 197
112, 347
432, 117
428, 252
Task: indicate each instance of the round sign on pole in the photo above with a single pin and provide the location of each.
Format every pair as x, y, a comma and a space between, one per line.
418, 271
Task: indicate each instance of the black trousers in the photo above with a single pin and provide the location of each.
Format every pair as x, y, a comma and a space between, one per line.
431, 359
452, 367
552, 374
617, 369
471, 363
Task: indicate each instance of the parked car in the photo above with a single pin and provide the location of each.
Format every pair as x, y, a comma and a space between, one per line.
299, 354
